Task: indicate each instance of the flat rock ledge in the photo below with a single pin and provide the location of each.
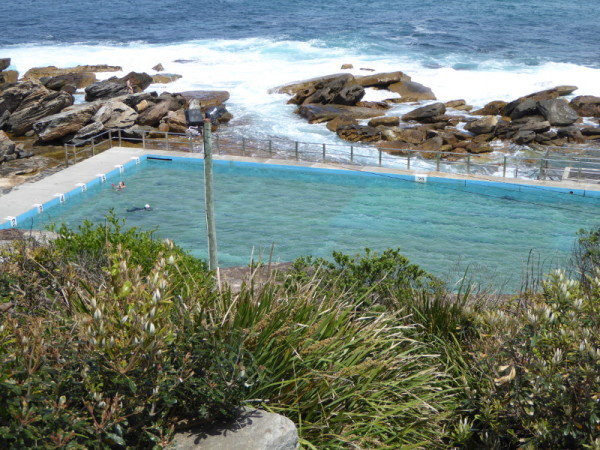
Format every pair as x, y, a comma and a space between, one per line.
252, 430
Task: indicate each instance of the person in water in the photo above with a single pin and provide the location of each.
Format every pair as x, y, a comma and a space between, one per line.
119, 186
146, 207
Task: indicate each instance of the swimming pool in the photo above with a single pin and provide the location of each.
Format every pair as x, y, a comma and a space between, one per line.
444, 225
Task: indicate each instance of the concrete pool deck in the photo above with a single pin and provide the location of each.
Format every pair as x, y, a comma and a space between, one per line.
27, 196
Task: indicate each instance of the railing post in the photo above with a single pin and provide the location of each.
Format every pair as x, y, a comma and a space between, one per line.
167, 139
120, 139
110, 138
324, 157
270, 146
437, 162
468, 164
296, 149
504, 168
66, 156
541, 174
380, 156
352, 153
408, 161
144, 139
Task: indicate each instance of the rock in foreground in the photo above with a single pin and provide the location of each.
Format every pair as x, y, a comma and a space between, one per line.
253, 430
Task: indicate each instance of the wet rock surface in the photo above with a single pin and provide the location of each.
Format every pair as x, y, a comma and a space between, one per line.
41, 108
543, 118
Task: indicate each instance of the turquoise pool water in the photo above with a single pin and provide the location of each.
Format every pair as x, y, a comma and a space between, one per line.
445, 227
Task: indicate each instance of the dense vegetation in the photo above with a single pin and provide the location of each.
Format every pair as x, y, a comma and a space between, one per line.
117, 339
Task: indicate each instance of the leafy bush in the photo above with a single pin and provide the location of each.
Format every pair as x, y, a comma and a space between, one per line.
90, 244
370, 277
586, 256
116, 357
539, 385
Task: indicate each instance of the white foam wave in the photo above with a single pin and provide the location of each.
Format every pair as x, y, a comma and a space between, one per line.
248, 68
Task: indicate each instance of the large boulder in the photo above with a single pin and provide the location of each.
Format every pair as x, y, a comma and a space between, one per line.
115, 114
337, 90
527, 105
487, 124
340, 121
80, 80
325, 113
386, 121
105, 89
252, 430
555, 92
53, 71
520, 108
535, 124
134, 100
492, 108
425, 113
206, 98
154, 114
89, 131
359, 133
558, 112
176, 121
4, 116
8, 149
412, 91
68, 121
459, 104
13, 96
349, 95
586, 105
113, 87
4, 63
164, 78
479, 147
571, 133
8, 77
411, 135
297, 86
23, 118
524, 137
382, 80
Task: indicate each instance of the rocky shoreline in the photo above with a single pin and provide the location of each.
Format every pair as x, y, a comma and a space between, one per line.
538, 120
39, 110
39, 113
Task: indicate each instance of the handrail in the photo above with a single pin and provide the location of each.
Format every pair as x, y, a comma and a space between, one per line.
548, 166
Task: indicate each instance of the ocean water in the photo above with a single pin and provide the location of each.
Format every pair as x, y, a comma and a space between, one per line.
477, 51
446, 228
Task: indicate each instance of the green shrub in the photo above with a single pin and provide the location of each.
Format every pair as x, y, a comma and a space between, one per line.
119, 355
370, 277
90, 245
539, 379
586, 256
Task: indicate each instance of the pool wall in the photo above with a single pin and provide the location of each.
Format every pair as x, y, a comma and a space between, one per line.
57, 199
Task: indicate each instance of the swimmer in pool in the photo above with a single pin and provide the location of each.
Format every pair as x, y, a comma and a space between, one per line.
119, 186
146, 207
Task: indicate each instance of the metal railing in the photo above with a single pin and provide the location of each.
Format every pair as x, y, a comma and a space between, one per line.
549, 166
